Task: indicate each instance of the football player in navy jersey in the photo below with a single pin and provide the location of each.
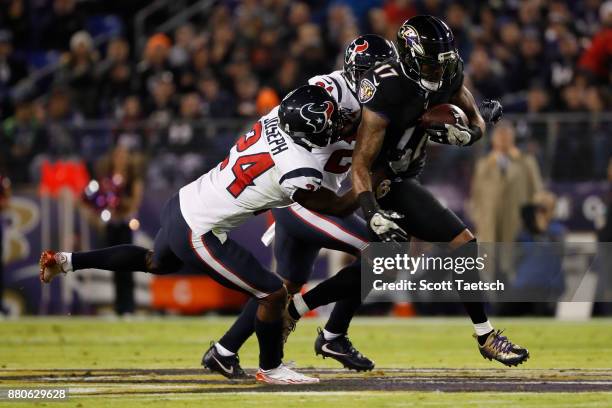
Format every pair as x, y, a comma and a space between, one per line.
394, 96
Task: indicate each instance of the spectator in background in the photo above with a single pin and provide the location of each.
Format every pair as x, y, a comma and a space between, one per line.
246, 93
398, 11
309, 50
288, 77
503, 182
154, 62
538, 259
131, 131
184, 133
161, 106
14, 17
62, 124
222, 44
596, 60
192, 69
12, 70
124, 169
484, 75
563, 65
23, 139
78, 73
180, 52
216, 102
267, 55
378, 24
184, 146
528, 70
114, 77
457, 20
61, 24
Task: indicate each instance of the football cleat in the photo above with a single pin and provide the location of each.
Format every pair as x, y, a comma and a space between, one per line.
341, 349
50, 264
283, 375
498, 347
227, 366
289, 324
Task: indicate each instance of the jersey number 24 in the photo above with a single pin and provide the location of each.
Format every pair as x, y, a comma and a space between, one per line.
248, 167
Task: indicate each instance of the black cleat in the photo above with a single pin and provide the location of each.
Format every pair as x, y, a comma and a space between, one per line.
341, 349
498, 347
228, 367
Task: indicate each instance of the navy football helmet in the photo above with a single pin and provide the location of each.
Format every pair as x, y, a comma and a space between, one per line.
363, 53
426, 47
310, 116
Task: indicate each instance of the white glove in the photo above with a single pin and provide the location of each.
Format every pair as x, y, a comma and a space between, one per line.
383, 225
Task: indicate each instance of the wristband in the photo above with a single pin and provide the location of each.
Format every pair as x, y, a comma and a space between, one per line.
476, 133
368, 203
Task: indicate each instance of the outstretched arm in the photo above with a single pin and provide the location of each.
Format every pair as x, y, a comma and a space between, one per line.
325, 201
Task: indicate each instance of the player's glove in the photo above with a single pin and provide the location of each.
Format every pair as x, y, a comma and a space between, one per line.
381, 222
384, 226
457, 135
491, 110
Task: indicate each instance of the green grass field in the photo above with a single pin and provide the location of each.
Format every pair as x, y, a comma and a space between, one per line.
33, 348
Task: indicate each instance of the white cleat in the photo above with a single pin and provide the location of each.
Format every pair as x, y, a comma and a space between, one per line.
283, 375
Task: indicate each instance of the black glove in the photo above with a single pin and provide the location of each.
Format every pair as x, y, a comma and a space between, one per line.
457, 135
381, 222
491, 110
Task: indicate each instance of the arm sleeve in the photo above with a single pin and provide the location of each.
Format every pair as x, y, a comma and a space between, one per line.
305, 178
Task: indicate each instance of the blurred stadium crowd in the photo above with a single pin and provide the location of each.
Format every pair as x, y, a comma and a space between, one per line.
241, 57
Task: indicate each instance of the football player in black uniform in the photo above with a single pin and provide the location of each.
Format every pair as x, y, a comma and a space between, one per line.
395, 95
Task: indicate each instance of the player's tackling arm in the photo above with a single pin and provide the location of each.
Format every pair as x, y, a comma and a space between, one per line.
325, 201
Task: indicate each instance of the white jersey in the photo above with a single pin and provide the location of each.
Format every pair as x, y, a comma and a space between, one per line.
262, 171
335, 159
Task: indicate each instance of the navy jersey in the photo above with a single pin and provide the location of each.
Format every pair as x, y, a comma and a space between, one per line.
387, 90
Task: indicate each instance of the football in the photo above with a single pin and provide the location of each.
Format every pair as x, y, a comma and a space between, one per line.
445, 113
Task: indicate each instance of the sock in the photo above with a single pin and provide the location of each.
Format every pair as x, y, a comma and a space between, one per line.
120, 258
299, 305
329, 336
242, 328
223, 351
65, 260
345, 283
269, 336
482, 331
472, 301
342, 314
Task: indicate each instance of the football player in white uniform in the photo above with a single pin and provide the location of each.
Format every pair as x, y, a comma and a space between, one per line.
300, 232
270, 166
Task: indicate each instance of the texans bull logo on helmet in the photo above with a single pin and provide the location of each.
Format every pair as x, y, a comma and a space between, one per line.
357, 48
318, 116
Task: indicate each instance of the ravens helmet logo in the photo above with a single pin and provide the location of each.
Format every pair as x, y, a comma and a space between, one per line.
412, 38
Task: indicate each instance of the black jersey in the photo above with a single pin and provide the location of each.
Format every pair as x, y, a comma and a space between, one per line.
388, 91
